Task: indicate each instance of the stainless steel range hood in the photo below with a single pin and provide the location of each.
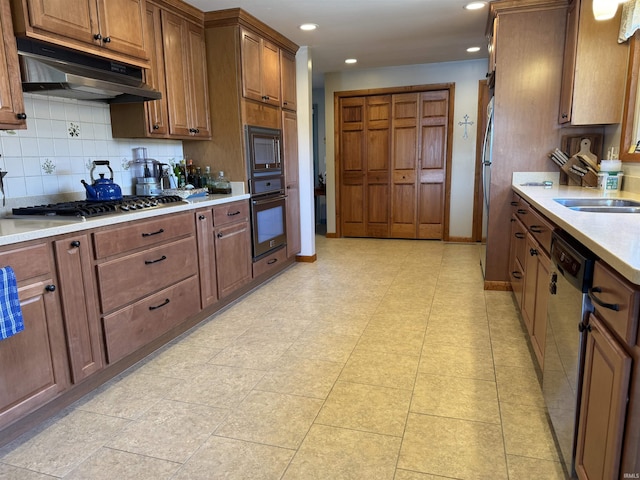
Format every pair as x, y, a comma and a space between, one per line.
56, 71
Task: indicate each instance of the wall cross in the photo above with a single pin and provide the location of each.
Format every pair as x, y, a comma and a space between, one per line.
466, 123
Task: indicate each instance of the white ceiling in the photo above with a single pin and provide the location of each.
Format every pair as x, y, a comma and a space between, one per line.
379, 33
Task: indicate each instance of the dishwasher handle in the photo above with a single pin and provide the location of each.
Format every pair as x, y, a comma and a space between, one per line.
609, 306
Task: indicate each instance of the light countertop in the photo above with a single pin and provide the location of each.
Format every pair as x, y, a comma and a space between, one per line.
613, 237
22, 229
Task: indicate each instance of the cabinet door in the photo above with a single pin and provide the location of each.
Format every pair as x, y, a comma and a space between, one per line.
270, 73
539, 330
595, 68
33, 361
290, 150
288, 82
518, 240
569, 63
530, 283
206, 257
122, 26
602, 410
11, 100
176, 63
157, 116
80, 311
198, 89
76, 19
233, 257
251, 48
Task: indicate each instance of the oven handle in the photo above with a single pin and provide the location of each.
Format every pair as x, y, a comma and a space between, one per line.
268, 200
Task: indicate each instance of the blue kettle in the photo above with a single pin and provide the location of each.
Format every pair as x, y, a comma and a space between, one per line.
102, 189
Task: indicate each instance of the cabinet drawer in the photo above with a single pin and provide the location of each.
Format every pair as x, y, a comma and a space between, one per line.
616, 302
136, 325
270, 261
134, 276
515, 203
230, 213
27, 262
114, 241
536, 224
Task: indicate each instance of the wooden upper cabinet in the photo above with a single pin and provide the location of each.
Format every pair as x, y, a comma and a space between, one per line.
594, 68
12, 114
186, 76
122, 23
110, 28
260, 68
197, 74
157, 116
178, 69
288, 80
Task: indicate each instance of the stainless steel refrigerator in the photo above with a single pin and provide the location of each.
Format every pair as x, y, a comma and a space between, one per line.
487, 151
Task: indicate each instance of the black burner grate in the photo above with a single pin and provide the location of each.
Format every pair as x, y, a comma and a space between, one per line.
83, 208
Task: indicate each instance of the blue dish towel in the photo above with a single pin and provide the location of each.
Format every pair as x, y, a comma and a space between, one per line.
10, 313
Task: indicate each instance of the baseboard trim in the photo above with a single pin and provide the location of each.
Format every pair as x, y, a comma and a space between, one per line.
499, 286
332, 235
306, 258
460, 240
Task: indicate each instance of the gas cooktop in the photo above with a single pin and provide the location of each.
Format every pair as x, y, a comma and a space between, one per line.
84, 208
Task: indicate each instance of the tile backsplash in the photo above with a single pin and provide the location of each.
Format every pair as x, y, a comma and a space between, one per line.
55, 152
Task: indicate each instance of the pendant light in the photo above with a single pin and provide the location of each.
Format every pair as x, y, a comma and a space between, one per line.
605, 9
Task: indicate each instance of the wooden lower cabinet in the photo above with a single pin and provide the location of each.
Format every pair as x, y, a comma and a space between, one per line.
128, 278
79, 306
516, 257
271, 261
134, 326
34, 361
603, 407
535, 295
233, 256
206, 257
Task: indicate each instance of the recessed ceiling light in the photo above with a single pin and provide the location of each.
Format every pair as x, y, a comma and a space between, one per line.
473, 49
351, 60
307, 27
475, 5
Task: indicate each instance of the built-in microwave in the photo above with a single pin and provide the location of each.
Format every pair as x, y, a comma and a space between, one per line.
263, 150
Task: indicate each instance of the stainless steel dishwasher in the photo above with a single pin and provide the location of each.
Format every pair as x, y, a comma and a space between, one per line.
567, 314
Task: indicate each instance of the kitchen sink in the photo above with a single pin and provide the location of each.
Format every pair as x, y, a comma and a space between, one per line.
621, 209
597, 202
600, 205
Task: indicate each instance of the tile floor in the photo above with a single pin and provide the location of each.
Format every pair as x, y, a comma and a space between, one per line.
385, 359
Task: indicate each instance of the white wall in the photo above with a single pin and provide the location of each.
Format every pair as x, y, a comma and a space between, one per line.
62, 138
465, 75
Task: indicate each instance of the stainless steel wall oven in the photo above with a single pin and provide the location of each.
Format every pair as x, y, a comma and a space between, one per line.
266, 186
